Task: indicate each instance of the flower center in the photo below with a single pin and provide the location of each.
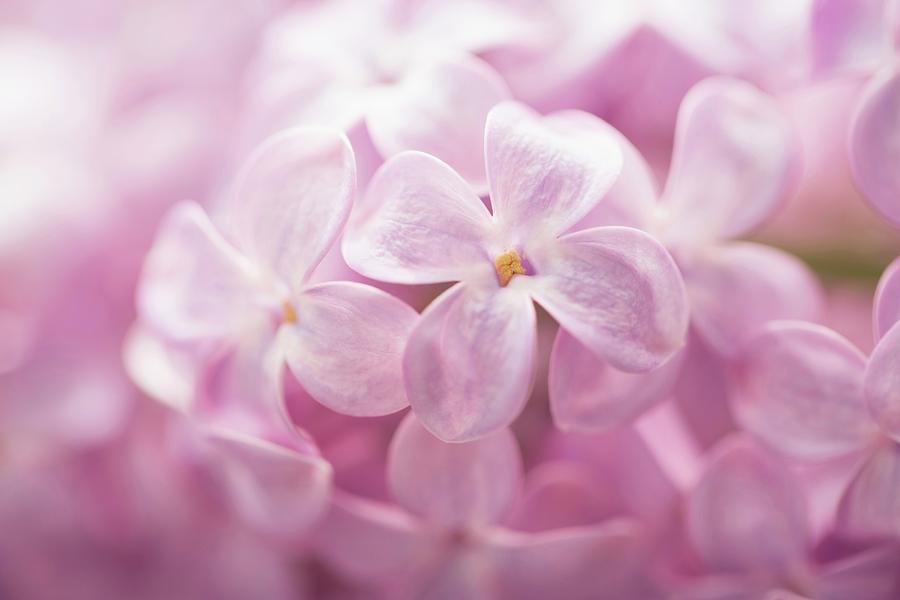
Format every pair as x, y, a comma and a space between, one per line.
288, 314
508, 264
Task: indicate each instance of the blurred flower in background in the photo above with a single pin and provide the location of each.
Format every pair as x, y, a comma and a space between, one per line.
201, 398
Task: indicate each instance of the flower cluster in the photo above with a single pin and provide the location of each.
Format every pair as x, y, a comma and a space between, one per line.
415, 299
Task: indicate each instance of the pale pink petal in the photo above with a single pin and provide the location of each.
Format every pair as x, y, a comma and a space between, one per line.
886, 308
239, 388
419, 223
454, 485
870, 507
160, 371
194, 285
372, 542
616, 290
292, 200
733, 163
545, 173
469, 363
869, 575
562, 493
440, 107
874, 152
737, 288
346, 347
747, 513
850, 35
799, 387
276, 490
586, 393
882, 383
633, 199
576, 562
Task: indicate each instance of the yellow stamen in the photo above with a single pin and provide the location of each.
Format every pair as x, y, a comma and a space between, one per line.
507, 265
288, 314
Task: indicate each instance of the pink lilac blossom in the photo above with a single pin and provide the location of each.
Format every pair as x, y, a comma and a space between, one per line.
405, 299
468, 364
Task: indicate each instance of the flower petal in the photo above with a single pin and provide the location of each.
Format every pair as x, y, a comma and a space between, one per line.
346, 347
455, 485
574, 562
440, 107
586, 393
159, 371
278, 491
420, 223
886, 308
871, 575
799, 387
633, 199
737, 288
194, 285
293, 197
371, 542
545, 173
882, 383
874, 154
871, 505
616, 290
563, 493
733, 163
747, 513
469, 363
850, 36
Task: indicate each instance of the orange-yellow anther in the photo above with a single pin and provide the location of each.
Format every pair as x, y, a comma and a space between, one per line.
508, 264
288, 314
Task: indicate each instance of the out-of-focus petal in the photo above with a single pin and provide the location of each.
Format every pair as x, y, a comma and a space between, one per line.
562, 493
194, 284
870, 507
869, 575
616, 290
874, 152
736, 288
747, 513
799, 387
545, 173
576, 562
419, 223
455, 485
158, 370
733, 163
440, 107
292, 200
277, 490
469, 363
886, 306
346, 347
633, 199
882, 383
372, 542
850, 35
587, 393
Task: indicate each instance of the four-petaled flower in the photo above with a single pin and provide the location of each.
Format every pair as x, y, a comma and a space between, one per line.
253, 300
469, 362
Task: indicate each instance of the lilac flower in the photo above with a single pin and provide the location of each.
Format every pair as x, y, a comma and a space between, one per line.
810, 393
469, 363
733, 165
442, 540
747, 520
859, 42
251, 301
407, 72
